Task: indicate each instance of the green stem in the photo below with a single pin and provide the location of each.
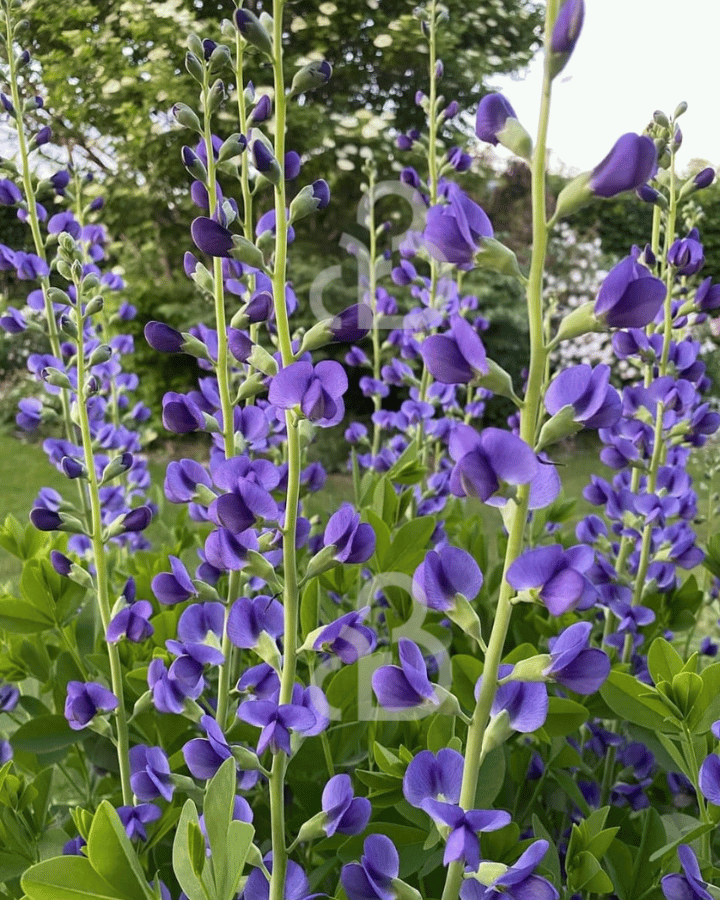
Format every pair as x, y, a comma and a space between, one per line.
528, 426
100, 556
290, 593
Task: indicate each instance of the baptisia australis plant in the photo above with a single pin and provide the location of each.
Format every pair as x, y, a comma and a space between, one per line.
361, 700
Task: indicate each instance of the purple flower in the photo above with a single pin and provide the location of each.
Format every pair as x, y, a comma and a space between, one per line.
83, 701
453, 232
346, 637
150, 773
354, 541
628, 165
199, 620
525, 702
405, 686
168, 693
686, 254
204, 757
247, 500
433, 777
211, 237
689, 885
132, 623
163, 338
135, 818
574, 665
594, 402
9, 696
176, 587
180, 414
710, 778
484, 461
372, 878
345, 814
492, 113
565, 34
276, 722
182, 479
629, 297
315, 390
296, 882
13, 322
225, 550
249, 618
457, 357
553, 574
517, 883
443, 575
463, 844
9, 193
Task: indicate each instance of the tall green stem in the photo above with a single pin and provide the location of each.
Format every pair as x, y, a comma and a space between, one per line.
528, 427
99, 554
290, 592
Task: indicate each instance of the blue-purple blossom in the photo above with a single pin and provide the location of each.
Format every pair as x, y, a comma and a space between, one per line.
345, 813
629, 297
686, 254
346, 637
689, 885
354, 541
434, 777
135, 818
163, 338
457, 357
296, 885
176, 587
710, 777
454, 231
595, 403
315, 391
85, 700
180, 414
444, 574
276, 722
525, 703
249, 618
574, 664
406, 686
9, 696
463, 844
211, 237
517, 883
247, 501
629, 164
372, 878
492, 114
555, 575
200, 620
150, 773
565, 33
132, 623
483, 461
205, 756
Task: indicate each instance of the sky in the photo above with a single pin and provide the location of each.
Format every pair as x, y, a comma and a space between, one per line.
633, 57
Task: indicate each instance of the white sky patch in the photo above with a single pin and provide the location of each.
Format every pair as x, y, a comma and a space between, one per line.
633, 57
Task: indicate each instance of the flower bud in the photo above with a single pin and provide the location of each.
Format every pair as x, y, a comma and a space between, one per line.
184, 116
254, 33
195, 45
194, 67
565, 34
215, 97
72, 468
193, 164
310, 77
94, 305
262, 111
497, 123
311, 198
100, 355
219, 59
245, 251
116, 467
232, 146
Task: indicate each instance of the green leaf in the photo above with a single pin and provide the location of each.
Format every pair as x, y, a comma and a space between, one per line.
552, 859
686, 688
67, 878
687, 837
664, 662
409, 546
564, 716
387, 761
182, 856
490, 778
310, 607
385, 501
112, 855
21, 617
465, 672
636, 702
586, 874
45, 734
440, 732
229, 840
382, 540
